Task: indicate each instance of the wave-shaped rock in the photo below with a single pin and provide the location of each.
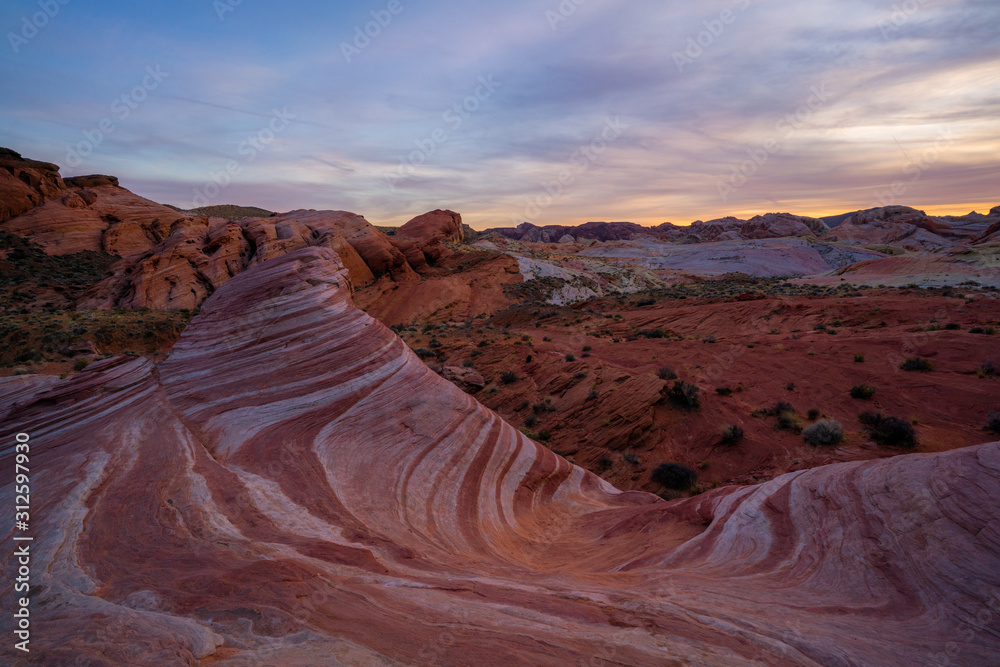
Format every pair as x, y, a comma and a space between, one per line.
293, 486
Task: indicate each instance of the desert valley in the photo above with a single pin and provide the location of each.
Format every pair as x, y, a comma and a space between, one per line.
304, 438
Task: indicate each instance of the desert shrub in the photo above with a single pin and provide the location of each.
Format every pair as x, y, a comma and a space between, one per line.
779, 408
570, 357
587, 348
645, 302
666, 373
631, 459
509, 377
684, 395
723, 391
732, 434
427, 327
952, 326
917, 364
790, 386
545, 406
652, 333
710, 338
989, 368
604, 464
862, 391
859, 358
788, 421
435, 343
823, 432
423, 352
483, 343
675, 476
889, 431
993, 421
80, 364
813, 415
530, 420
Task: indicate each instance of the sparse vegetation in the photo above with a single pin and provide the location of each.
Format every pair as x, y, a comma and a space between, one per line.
723, 391
509, 377
570, 357
731, 434
666, 373
423, 353
917, 364
824, 432
675, 476
993, 422
859, 358
862, 391
889, 431
684, 395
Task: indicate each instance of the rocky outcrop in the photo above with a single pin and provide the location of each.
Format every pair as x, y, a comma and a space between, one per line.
909, 228
198, 255
100, 218
422, 239
25, 184
292, 486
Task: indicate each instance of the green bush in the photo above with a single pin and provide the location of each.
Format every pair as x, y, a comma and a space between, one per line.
80, 364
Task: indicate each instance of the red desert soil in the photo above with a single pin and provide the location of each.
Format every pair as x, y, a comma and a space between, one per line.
292, 486
606, 410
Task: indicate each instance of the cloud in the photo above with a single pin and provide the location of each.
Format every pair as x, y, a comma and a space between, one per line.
894, 80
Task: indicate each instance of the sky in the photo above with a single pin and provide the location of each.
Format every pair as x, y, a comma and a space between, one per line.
546, 111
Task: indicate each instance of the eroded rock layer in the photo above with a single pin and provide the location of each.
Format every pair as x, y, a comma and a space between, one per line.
292, 486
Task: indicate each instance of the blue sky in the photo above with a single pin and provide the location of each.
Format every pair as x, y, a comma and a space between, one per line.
548, 111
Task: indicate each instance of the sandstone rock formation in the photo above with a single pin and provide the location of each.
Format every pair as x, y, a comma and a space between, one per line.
25, 184
422, 239
911, 229
598, 231
292, 486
